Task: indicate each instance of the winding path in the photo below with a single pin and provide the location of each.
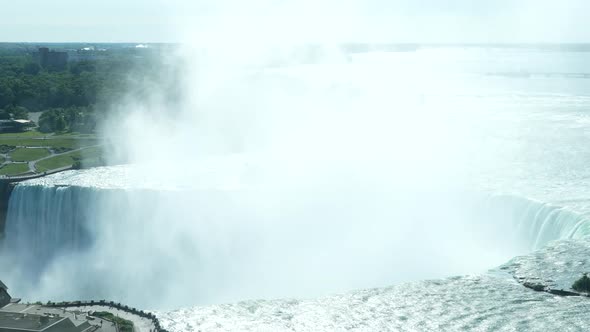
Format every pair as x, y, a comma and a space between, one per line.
32, 165
140, 324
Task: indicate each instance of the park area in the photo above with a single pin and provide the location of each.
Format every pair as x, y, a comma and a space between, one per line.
34, 153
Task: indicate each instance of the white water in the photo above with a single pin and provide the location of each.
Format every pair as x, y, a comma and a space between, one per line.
75, 235
369, 215
233, 247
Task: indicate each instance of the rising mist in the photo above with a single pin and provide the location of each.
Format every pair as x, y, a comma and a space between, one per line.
284, 166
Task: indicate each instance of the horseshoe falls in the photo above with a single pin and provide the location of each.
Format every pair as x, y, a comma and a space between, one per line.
369, 191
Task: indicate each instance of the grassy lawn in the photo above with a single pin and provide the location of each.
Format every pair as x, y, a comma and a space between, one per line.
22, 154
2, 159
70, 134
69, 159
58, 142
13, 169
42, 144
25, 134
38, 134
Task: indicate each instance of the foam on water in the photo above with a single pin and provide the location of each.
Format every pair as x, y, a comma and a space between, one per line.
493, 121
75, 234
470, 303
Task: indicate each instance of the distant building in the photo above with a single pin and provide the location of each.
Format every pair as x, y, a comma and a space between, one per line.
52, 59
18, 322
4, 296
15, 126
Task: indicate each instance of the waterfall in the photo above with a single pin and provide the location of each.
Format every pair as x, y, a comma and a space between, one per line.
44, 221
532, 222
115, 243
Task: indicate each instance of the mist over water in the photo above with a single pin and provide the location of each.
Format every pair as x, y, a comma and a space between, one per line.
264, 181
285, 169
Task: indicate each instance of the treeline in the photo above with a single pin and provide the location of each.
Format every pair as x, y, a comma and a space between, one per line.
25, 84
16, 112
72, 119
75, 98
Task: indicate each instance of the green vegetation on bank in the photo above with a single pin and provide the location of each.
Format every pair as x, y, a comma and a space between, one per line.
79, 159
14, 169
4, 148
87, 153
582, 284
28, 154
57, 142
80, 119
11, 111
74, 91
123, 324
75, 95
72, 96
25, 83
24, 134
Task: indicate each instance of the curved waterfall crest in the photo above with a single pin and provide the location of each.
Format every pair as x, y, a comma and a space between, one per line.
536, 223
50, 219
87, 234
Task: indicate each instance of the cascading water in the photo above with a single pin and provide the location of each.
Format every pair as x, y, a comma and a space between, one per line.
370, 155
221, 246
44, 222
301, 194
535, 223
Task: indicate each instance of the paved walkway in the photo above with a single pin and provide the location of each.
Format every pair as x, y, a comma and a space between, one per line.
33, 164
140, 324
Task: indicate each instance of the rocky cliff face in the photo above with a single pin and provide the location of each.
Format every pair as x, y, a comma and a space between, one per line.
5, 190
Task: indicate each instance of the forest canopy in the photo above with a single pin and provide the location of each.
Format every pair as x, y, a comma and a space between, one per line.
74, 97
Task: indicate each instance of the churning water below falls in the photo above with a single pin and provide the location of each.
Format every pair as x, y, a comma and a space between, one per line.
484, 187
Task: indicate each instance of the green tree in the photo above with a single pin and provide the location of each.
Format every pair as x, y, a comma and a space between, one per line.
6, 94
582, 284
4, 115
32, 68
48, 120
60, 124
82, 66
18, 112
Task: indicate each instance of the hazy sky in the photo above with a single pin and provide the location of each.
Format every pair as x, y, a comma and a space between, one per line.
299, 20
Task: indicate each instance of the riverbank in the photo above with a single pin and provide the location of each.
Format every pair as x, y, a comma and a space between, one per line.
32, 152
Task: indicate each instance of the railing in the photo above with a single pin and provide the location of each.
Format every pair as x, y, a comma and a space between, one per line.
19, 178
111, 304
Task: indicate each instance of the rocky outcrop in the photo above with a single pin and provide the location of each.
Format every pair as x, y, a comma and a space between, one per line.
535, 286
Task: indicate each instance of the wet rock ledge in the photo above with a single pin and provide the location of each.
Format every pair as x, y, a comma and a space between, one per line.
554, 268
